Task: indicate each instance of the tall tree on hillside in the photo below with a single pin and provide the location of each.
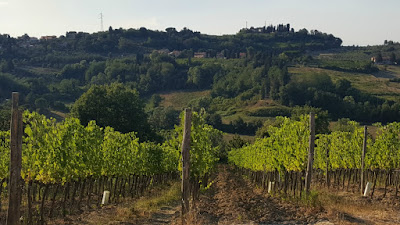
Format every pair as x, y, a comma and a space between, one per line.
113, 105
277, 78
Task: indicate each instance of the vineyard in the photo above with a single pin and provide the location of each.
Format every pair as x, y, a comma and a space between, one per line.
67, 166
280, 160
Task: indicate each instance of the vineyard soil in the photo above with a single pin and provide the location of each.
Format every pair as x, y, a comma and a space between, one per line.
159, 205
233, 199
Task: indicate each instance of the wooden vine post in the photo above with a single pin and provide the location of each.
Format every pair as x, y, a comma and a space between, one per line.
186, 163
310, 153
15, 185
327, 178
364, 151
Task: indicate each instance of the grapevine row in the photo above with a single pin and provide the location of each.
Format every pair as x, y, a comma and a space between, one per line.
284, 153
86, 160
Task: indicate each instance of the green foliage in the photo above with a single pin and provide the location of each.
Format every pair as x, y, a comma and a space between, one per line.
68, 88
8, 84
239, 126
94, 69
284, 149
264, 131
202, 76
349, 65
311, 199
6, 66
155, 101
322, 117
277, 78
343, 124
4, 153
236, 142
286, 145
41, 103
163, 118
344, 147
5, 115
204, 146
74, 71
67, 151
270, 111
61, 152
113, 105
201, 103
249, 65
321, 121
340, 98
384, 153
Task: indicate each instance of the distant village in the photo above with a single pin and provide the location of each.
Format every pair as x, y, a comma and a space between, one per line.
269, 29
26, 41
200, 55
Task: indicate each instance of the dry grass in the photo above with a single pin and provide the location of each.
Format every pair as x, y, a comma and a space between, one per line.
132, 211
44, 71
181, 99
227, 137
150, 204
350, 208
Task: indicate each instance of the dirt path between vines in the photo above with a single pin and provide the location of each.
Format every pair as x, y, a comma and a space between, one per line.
233, 200
158, 206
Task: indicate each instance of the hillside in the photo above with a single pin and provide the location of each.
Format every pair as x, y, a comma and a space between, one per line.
241, 80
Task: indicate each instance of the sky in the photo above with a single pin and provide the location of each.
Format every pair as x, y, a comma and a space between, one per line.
356, 22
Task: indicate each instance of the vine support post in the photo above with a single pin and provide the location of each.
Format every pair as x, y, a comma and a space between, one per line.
15, 186
310, 153
328, 179
364, 151
186, 163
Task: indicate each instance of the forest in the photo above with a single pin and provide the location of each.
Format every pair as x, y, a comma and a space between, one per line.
253, 65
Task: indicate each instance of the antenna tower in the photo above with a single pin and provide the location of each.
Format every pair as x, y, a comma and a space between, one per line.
101, 22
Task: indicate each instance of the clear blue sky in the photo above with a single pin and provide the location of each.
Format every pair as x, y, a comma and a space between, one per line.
358, 22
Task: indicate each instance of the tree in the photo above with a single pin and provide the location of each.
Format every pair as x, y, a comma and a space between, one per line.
378, 58
278, 78
393, 57
163, 118
342, 86
116, 106
41, 103
5, 117
155, 100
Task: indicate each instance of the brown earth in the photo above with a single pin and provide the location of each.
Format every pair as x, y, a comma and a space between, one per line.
233, 200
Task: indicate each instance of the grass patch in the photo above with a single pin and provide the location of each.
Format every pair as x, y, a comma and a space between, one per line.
311, 199
269, 111
179, 100
228, 137
43, 71
378, 85
164, 197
